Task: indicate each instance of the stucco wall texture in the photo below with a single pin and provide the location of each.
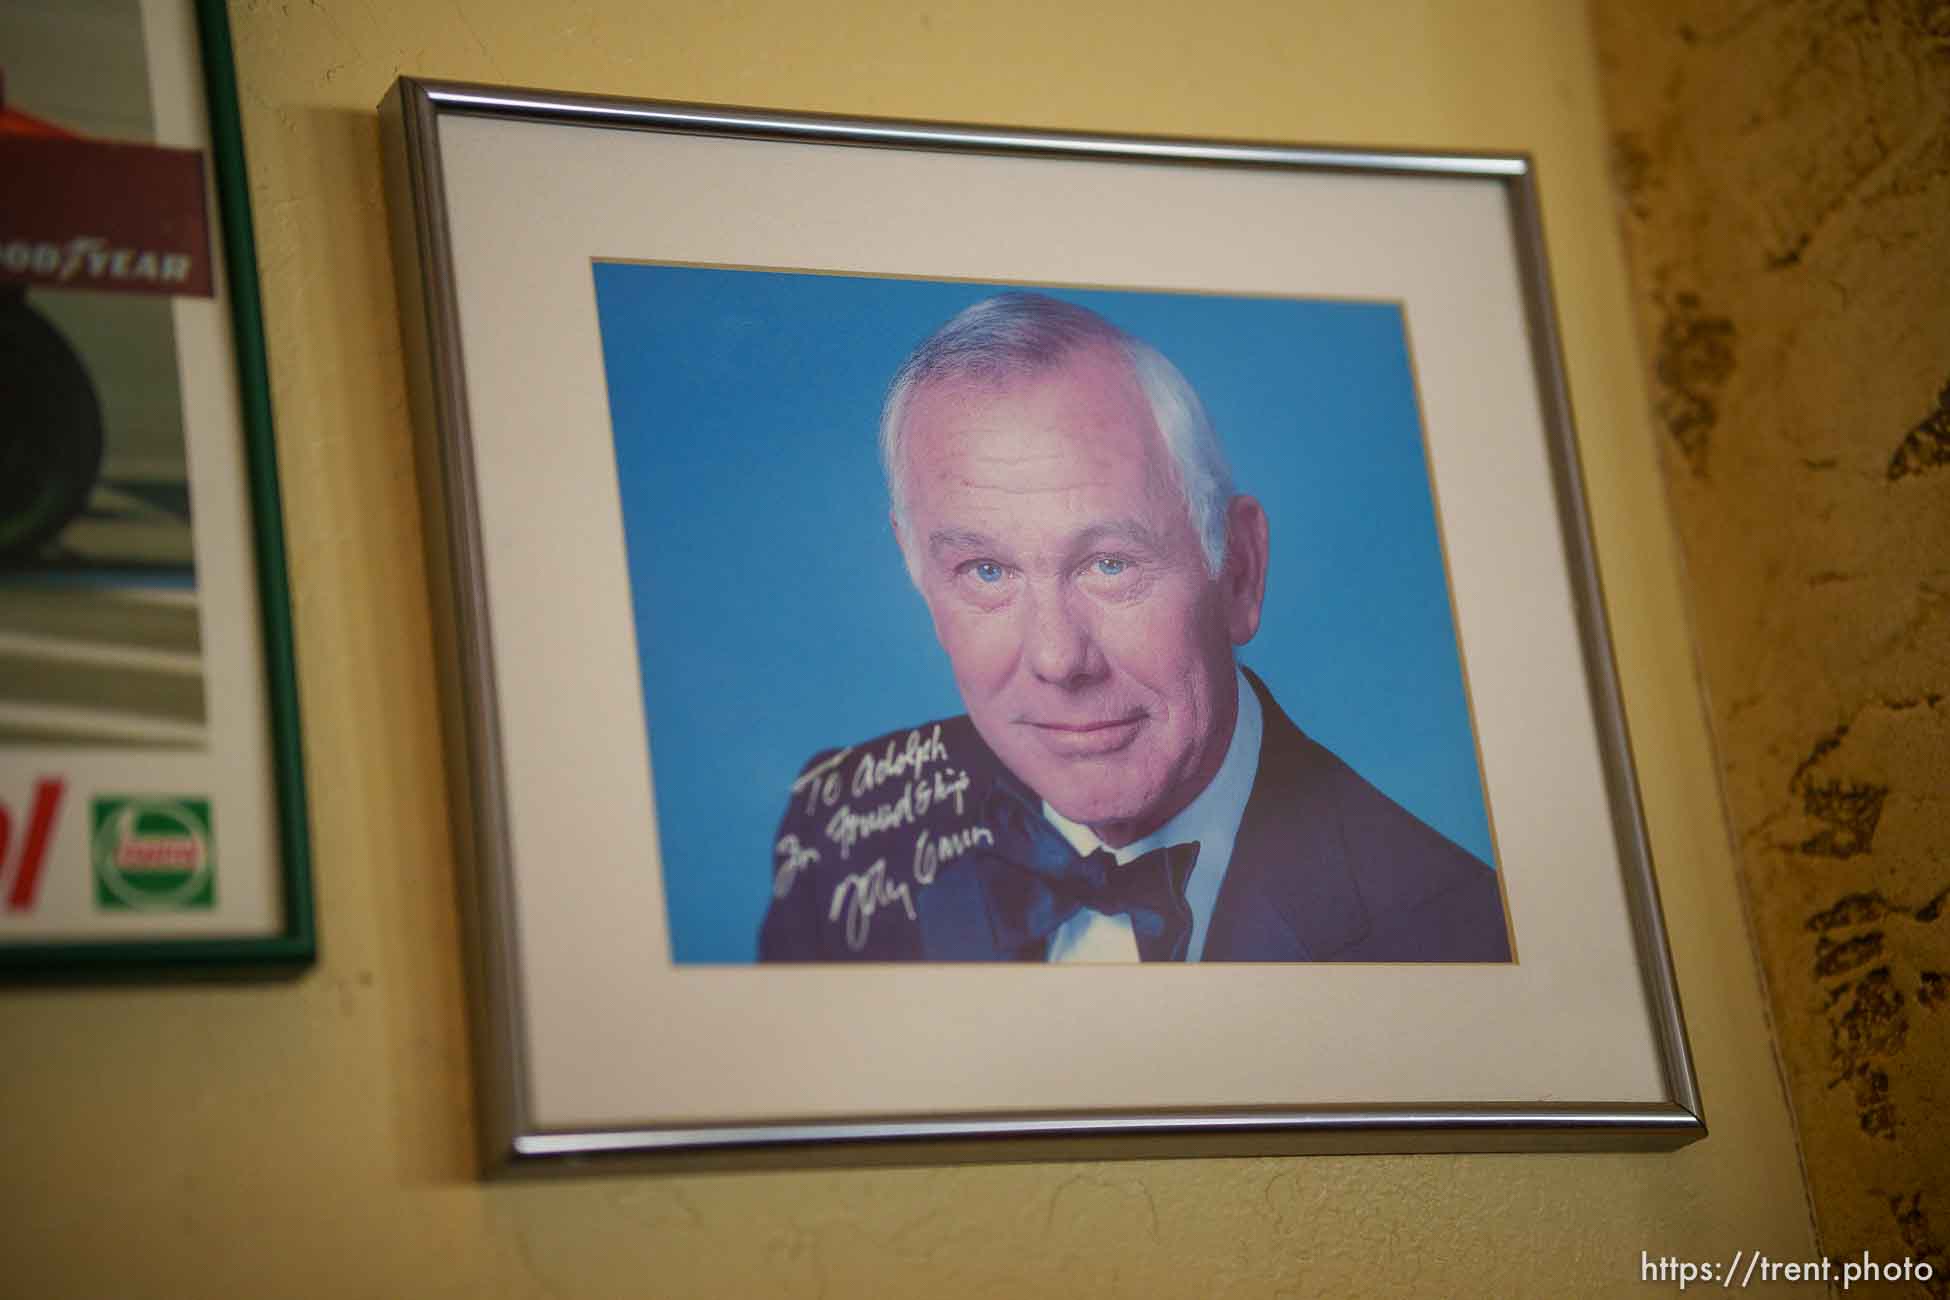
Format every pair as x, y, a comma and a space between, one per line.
1785, 173
312, 1137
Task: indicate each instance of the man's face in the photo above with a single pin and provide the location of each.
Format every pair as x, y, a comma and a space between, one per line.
1092, 647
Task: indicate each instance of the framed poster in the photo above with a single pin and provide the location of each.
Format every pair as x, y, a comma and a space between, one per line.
151, 793
1016, 640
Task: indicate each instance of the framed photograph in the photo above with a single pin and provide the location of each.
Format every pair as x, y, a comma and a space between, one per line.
968, 642
152, 806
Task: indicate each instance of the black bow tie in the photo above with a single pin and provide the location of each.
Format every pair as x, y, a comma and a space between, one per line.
1053, 882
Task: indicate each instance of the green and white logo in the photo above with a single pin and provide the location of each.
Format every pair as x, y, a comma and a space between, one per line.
154, 854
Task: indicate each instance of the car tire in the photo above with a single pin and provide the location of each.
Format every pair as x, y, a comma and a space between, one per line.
50, 431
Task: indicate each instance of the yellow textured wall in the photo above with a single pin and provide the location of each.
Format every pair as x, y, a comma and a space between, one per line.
312, 1138
1787, 175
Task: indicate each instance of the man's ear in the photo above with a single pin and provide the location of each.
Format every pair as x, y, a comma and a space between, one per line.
1243, 580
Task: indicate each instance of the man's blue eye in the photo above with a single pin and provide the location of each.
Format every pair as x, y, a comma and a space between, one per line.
1110, 566
988, 570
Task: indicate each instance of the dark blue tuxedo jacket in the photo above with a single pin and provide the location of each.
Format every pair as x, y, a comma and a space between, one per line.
883, 855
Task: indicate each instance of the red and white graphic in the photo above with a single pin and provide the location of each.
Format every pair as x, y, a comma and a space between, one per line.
68, 216
20, 867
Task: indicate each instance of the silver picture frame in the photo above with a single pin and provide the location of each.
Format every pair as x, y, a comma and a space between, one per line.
465, 540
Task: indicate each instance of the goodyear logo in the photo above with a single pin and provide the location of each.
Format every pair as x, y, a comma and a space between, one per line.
154, 854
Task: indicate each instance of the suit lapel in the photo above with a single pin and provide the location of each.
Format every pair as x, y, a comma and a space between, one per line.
1289, 892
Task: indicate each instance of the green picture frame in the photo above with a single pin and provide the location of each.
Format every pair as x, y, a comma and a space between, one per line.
251, 906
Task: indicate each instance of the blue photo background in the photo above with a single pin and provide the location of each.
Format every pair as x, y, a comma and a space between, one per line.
774, 618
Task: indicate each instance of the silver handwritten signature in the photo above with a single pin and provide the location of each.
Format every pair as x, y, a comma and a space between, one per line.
846, 828
820, 783
862, 894
911, 759
794, 858
930, 854
918, 765
859, 896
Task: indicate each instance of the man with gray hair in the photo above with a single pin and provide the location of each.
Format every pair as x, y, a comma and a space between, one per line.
1119, 789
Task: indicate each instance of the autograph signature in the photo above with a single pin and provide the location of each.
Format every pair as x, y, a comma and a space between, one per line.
929, 855
822, 784
862, 894
920, 767
859, 896
847, 828
794, 858
913, 757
